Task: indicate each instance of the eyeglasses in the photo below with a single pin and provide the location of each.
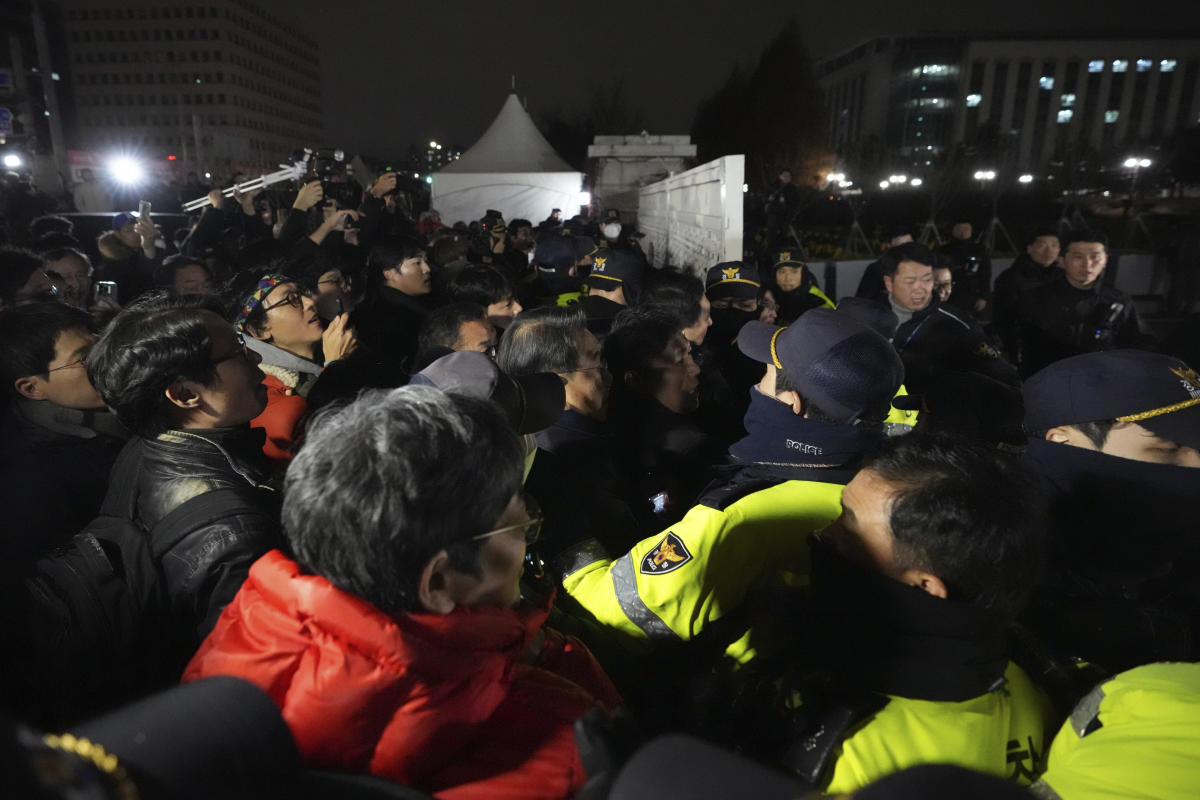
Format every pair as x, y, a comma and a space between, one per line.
340, 281
294, 299
242, 351
532, 527
78, 363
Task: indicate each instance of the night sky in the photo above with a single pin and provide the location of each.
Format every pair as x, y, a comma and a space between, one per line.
398, 72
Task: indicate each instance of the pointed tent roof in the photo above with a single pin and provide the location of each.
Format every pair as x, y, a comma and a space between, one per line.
511, 144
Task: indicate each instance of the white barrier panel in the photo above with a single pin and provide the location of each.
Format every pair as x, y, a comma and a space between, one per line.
694, 219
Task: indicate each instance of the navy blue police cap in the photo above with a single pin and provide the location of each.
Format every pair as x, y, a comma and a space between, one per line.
1156, 391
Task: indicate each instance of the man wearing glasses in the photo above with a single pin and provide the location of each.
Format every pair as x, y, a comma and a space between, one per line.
57, 441
182, 379
394, 638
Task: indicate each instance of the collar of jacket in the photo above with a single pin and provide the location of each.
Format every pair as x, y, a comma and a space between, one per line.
576, 425
72, 422
238, 449
468, 640
394, 298
777, 437
1116, 522
1058, 283
1026, 267
880, 635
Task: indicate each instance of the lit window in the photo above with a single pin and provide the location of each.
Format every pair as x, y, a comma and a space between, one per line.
974, 100
1095, 66
1111, 116
1046, 82
1120, 65
1167, 65
1068, 100
1064, 115
1144, 64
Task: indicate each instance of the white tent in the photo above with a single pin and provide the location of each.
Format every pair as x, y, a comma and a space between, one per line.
512, 168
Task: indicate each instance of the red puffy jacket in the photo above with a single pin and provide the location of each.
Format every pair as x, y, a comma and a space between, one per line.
284, 409
452, 704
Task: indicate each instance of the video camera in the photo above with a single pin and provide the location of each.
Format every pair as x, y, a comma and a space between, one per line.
328, 165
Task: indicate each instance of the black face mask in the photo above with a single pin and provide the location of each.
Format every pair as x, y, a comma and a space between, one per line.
726, 322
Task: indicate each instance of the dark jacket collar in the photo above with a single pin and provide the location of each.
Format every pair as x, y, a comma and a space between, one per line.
777, 437
880, 635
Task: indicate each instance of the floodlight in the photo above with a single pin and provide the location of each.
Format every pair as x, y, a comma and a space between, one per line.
126, 171
915, 182
12, 161
1026, 178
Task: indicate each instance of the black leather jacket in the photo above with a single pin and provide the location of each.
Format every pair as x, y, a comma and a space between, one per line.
204, 568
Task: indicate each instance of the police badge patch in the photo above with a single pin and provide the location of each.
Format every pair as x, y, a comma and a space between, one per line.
667, 556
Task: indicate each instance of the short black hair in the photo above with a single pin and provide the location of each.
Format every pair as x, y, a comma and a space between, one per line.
783, 383
519, 222
368, 515
54, 241
16, 265
909, 251
60, 253
51, 223
1096, 431
674, 292
966, 513
155, 342
28, 335
638, 336
1084, 235
441, 328
1038, 233
164, 275
390, 253
480, 283
542, 340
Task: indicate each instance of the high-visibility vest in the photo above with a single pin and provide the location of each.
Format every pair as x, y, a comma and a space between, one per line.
669, 587
1002, 732
899, 421
1136, 735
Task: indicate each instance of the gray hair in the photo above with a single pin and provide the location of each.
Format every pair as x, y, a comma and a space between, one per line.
385, 483
542, 340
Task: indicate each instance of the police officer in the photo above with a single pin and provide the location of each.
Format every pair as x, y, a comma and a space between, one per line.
817, 410
1114, 445
614, 283
1072, 313
796, 287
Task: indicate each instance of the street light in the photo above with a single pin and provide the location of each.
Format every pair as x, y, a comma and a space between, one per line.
433, 144
985, 175
897, 178
884, 184
12, 161
1026, 178
1137, 163
916, 182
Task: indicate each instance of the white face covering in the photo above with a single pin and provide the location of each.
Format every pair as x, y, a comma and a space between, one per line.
612, 230
530, 454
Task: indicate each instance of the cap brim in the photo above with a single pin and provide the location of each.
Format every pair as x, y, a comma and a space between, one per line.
1181, 427
755, 340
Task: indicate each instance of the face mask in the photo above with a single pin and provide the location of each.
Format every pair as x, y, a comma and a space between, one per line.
726, 322
612, 230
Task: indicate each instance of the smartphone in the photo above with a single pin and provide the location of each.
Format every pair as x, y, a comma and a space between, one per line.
105, 289
341, 309
143, 209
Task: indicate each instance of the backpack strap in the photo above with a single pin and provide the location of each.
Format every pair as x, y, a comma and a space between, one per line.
203, 510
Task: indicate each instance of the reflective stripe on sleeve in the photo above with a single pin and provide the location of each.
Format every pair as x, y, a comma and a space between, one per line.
625, 585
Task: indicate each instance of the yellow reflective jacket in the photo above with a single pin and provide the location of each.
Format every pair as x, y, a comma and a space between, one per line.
670, 586
1134, 736
1003, 732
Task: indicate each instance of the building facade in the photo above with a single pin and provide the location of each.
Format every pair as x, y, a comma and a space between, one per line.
219, 87
908, 100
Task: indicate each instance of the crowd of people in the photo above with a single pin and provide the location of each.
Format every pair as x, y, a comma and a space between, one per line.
500, 510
